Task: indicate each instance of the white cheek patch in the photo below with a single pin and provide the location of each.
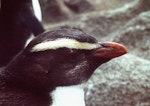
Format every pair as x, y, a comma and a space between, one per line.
64, 43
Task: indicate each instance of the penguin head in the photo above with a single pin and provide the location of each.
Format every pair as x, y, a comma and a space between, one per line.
63, 57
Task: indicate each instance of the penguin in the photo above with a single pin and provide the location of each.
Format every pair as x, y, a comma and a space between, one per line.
17, 22
53, 69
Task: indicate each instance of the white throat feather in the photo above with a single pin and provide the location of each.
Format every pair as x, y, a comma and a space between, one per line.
68, 96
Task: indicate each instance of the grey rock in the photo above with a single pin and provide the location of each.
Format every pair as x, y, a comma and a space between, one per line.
123, 81
135, 35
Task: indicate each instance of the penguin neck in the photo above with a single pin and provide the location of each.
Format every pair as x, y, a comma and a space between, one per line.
68, 96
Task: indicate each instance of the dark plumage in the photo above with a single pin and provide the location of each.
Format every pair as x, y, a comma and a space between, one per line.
17, 22
49, 62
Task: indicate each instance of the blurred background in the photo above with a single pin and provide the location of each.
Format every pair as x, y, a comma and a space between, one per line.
124, 81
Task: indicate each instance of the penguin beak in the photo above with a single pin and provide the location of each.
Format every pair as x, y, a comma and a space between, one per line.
110, 50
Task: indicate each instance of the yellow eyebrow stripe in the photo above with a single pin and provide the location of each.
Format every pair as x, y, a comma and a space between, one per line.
63, 43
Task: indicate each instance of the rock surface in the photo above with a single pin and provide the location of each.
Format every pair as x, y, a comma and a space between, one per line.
124, 81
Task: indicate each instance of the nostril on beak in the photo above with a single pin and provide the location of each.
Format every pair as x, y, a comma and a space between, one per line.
104, 45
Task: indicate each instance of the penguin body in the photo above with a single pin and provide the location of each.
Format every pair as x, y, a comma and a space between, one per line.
17, 22
49, 68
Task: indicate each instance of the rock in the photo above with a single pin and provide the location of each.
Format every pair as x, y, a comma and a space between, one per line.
101, 23
79, 6
62, 10
123, 81
55, 11
138, 30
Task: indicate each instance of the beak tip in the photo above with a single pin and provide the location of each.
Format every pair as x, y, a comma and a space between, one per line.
119, 48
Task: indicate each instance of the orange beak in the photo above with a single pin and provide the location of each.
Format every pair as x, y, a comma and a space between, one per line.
110, 50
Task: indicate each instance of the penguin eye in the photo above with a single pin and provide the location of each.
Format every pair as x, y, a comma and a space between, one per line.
72, 51
76, 52
67, 51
